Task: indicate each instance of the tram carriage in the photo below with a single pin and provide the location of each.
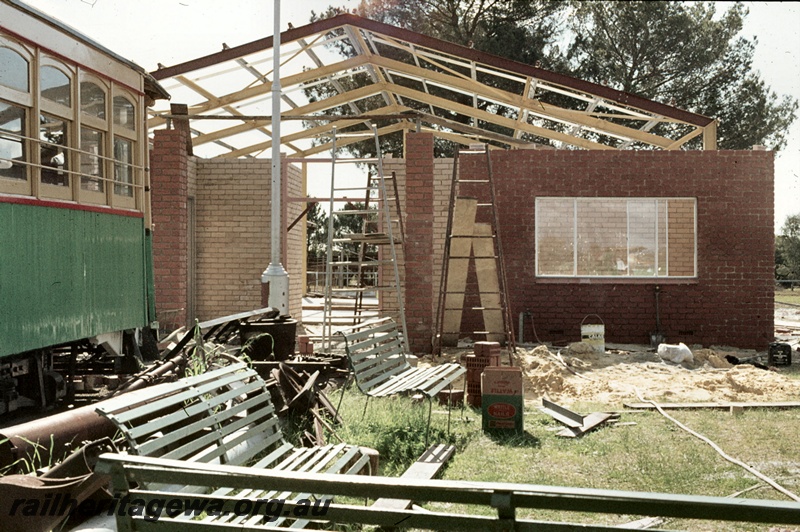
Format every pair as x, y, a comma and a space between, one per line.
75, 227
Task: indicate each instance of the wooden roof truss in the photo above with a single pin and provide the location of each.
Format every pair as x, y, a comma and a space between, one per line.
346, 71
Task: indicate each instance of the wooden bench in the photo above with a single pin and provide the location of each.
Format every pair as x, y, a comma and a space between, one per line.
503, 506
380, 368
224, 416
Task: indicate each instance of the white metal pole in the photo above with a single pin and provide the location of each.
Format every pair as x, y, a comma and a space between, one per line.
275, 275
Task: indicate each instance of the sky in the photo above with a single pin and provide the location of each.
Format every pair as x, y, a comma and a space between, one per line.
173, 31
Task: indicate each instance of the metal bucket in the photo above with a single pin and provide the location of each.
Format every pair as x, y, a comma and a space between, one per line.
276, 345
594, 334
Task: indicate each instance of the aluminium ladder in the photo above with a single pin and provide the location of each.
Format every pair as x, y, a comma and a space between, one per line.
472, 237
373, 264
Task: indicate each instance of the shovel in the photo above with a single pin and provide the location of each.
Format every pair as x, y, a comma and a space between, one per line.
657, 337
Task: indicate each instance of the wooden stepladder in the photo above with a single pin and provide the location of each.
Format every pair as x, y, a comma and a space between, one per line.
472, 238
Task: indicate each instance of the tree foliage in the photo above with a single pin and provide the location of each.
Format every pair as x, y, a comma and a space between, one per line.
684, 54
343, 224
681, 53
787, 249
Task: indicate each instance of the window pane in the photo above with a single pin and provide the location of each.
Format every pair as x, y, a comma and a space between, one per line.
124, 113
91, 162
55, 86
681, 243
12, 147
554, 228
93, 100
53, 134
662, 238
13, 70
637, 237
123, 172
602, 237
642, 238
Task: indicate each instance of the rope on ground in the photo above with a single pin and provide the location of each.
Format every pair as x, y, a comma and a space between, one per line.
722, 453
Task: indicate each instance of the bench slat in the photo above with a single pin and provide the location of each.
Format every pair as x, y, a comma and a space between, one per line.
207, 381
156, 425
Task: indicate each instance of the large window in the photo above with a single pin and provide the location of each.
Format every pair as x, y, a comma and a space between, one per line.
616, 237
123, 166
70, 131
53, 146
92, 160
12, 145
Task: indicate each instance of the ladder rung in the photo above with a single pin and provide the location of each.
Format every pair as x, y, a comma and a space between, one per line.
471, 256
353, 289
471, 236
360, 263
365, 289
473, 181
356, 160
360, 189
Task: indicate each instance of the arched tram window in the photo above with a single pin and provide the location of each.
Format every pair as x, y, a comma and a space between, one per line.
13, 70
81, 138
55, 85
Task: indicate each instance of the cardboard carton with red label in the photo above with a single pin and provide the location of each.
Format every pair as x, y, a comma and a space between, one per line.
502, 404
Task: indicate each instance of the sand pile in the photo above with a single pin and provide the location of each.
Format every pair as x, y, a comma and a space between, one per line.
579, 374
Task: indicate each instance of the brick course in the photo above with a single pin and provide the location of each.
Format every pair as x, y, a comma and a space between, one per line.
169, 183
729, 303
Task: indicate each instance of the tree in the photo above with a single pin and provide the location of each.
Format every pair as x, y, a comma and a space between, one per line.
343, 224
787, 249
681, 53
317, 237
522, 30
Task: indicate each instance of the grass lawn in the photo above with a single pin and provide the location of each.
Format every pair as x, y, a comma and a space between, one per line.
652, 454
785, 295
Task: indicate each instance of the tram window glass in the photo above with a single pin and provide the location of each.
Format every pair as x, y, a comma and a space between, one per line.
12, 146
93, 99
91, 160
55, 85
13, 70
123, 170
124, 113
54, 141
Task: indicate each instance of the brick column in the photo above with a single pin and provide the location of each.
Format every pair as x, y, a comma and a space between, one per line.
419, 241
169, 175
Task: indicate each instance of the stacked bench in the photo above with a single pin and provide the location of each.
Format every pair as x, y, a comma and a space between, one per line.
380, 368
225, 416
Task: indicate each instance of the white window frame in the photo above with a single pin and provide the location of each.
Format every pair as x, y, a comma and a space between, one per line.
628, 276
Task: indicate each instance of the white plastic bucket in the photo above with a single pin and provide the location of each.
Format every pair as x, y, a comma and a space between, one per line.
594, 334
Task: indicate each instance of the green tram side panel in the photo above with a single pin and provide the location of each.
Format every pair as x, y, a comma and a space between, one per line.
67, 274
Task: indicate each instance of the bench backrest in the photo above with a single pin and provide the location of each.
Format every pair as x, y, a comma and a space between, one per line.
375, 353
222, 416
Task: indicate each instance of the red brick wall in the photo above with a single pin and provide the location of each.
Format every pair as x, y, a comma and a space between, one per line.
169, 182
729, 303
418, 246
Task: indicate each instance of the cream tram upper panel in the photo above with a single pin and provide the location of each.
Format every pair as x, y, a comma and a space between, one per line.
68, 46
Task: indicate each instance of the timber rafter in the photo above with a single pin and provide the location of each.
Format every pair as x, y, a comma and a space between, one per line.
360, 68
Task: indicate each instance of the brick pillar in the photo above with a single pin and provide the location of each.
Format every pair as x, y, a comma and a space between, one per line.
419, 241
169, 175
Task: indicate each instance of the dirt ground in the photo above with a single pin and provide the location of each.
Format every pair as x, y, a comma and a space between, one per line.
578, 374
